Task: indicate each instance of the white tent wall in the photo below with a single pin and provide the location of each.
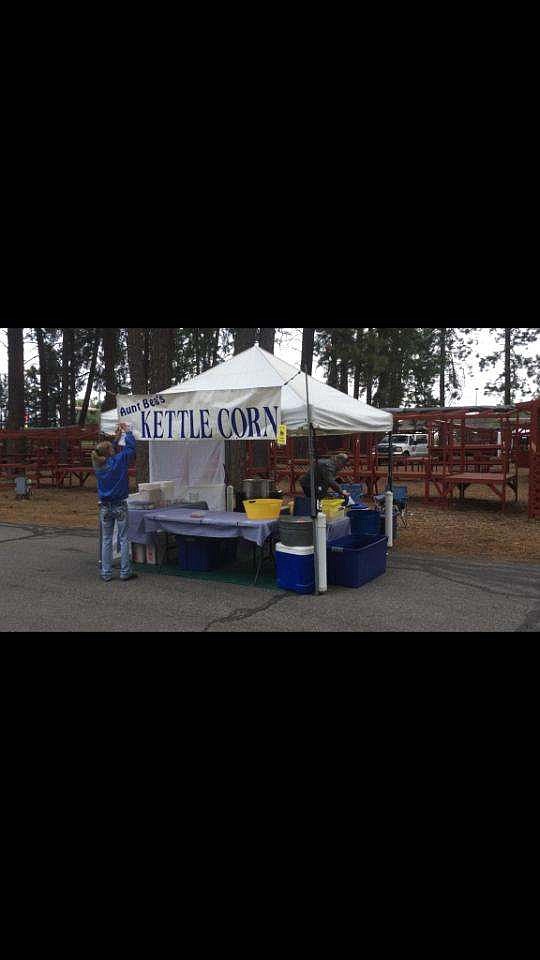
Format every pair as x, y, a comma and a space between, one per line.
198, 468
190, 463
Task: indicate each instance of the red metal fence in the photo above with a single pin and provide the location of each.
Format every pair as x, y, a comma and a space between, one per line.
460, 455
48, 456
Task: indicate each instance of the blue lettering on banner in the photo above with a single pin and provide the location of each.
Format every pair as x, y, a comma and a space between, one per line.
146, 435
158, 424
202, 424
193, 435
205, 425
234, 422
183, 414
126, 411
220, 424
254, 416
270, 418
170, 414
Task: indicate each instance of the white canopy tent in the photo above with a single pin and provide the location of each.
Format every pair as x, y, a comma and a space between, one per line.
332, 412
199, 464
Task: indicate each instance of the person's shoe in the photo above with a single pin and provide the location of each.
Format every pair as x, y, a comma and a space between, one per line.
107, 579
132, 576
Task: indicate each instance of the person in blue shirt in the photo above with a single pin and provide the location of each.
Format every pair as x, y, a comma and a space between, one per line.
111, 469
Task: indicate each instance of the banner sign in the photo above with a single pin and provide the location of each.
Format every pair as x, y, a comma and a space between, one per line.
212, 415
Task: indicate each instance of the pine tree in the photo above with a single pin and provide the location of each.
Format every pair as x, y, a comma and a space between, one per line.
308, 346
43, 377
197, 349
244, 338
454, 348
110, 357
91, 377
520, 373
162, 343
267, 338
138, 349
15, 378
3, 400
67, 364
236, 450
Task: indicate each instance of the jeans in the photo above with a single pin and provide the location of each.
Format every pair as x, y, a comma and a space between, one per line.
108, 514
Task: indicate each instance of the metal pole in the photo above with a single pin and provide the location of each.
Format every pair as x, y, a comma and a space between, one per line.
313, 487
390, 483
389, 498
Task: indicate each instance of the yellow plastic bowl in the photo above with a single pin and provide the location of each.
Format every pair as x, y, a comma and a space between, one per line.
263, 509
332, 507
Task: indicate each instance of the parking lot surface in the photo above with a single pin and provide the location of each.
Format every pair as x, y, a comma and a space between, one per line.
49, 582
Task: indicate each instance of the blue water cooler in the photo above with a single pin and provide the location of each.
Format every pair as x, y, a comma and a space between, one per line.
295, 567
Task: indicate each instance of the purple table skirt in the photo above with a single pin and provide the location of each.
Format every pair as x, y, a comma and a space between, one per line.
136, 529
211, 523
143, 524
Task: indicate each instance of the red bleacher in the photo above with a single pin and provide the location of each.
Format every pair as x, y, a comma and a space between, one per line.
49, 457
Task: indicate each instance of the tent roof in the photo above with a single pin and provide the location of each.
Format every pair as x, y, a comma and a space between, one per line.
331, 411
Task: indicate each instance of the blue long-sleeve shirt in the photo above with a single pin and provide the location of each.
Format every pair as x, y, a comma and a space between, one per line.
112, 477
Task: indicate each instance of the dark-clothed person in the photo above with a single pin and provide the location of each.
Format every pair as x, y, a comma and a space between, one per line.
325, 477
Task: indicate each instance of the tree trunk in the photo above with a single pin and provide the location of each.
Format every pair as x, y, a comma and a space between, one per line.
161, 358
43, 378
216, 347
138, 341
358, 361
442, 372
344, 376
507, 366
15, 378
137, 359
308, 344
196, 350
72, 384
161, 366
90, 382
244, 338
369, 389
67, 361
236, 450
267, 338
110, 340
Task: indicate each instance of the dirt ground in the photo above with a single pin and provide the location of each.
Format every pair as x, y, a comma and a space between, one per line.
69, 507
473, 528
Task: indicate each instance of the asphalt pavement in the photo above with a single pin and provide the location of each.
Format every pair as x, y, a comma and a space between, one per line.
49, 582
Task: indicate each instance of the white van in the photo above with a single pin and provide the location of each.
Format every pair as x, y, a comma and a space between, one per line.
405, 445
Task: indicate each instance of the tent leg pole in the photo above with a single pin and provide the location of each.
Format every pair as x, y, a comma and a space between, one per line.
313, 489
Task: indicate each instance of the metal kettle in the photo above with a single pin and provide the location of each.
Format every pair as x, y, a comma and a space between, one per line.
255, 489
